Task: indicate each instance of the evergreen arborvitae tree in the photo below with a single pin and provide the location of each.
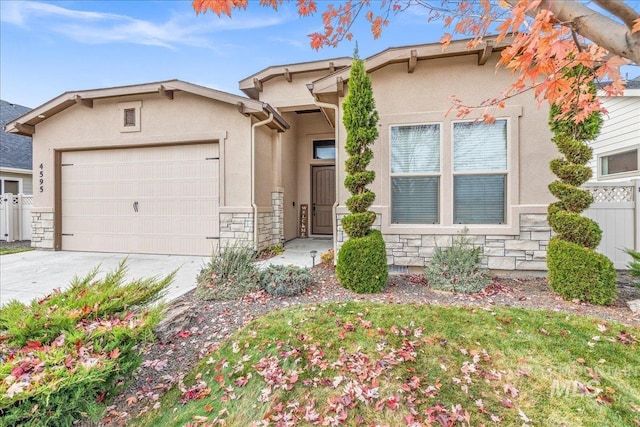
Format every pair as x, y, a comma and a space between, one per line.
362, 260
576, 270
360, 120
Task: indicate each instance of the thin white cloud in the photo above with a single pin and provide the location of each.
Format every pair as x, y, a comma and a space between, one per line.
103, 28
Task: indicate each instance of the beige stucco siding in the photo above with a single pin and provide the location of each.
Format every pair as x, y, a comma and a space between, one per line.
264, 176
289, 152
186, 118
423, 97
281, 94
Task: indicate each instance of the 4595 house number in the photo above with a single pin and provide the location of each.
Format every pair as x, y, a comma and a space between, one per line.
41, 177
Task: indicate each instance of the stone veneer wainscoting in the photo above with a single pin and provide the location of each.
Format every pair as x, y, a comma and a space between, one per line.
42, 229
526, 251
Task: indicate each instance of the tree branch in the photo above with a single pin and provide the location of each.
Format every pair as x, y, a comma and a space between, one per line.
600, 29
620, 9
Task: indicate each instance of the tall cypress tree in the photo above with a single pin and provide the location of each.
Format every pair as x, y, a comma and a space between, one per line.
576, 270
362, 260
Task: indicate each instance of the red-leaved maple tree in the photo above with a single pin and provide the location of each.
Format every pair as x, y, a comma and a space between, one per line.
549, 37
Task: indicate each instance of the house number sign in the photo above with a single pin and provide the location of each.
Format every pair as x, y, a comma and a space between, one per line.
41, 177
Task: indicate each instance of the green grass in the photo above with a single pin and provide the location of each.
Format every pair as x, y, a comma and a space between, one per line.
366, 364
7, 251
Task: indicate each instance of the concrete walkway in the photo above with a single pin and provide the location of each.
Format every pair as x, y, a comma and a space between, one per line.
34, 274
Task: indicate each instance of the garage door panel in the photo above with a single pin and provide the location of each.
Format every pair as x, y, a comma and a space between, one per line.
141, 200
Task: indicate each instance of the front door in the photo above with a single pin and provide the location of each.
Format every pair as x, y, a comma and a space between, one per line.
323, 197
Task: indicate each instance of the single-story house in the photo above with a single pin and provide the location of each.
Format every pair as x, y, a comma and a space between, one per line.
616, 151
15, 153
172, 167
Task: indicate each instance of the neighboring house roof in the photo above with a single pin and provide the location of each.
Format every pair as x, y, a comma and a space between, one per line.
15, 150
25, 124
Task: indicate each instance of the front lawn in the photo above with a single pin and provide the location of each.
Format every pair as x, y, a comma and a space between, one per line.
7, 251
383, 364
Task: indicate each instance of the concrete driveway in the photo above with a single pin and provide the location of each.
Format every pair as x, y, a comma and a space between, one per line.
34, 274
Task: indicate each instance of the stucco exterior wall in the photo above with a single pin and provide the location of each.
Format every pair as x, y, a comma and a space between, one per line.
289, 184
281, 94
187, 118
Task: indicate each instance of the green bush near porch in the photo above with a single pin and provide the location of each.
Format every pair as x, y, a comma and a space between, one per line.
362, 264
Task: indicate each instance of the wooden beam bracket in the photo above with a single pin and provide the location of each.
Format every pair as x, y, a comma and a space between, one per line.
165, 92
257, 84
85, 102
485, 53
332, 67
340, 86
29, 129
241, 110
287, 75
413, 61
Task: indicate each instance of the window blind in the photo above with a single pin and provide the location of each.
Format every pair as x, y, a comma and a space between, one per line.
415, 200
479, 199
480, 146
415, 149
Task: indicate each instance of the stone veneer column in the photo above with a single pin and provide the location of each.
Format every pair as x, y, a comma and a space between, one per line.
236, 228
42, 229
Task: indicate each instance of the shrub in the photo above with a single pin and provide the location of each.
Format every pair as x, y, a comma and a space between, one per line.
579, 273
75, 348
362, 263
229, 274
285, 280
573, 199
271, 251
575, 228
327, 257
358, 224
457, 268
634, 265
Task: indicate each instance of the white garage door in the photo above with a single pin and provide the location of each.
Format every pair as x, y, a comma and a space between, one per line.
156, 200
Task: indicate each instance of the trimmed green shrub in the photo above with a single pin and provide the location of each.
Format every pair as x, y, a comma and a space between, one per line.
575, 228
64, 354
360, 202
571, 173
579, 273
362, 264
634, 265
359, 223
457, 268
285, 280
578, 235
229, 274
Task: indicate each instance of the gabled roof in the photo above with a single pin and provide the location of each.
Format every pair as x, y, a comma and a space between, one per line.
410, 55
25, 124
15, 150
252, 85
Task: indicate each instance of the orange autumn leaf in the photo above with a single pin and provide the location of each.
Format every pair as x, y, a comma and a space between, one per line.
636, 26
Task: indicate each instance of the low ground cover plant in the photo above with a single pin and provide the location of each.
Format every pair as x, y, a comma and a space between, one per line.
285, 280
63, 355
456, 268
229, 274
634, 264
380, 364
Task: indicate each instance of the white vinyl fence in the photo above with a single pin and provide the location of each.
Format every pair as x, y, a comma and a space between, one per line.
15, 217
616, 208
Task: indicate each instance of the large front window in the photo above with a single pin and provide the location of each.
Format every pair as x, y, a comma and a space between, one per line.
415, 174
479, 172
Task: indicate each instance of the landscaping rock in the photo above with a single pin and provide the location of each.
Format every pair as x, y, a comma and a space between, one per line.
175, 318
634, 305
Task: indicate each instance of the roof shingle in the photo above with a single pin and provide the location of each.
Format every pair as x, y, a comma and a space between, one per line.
15, 150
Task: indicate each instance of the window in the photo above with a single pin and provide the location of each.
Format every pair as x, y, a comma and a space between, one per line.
8, 185
623, 163
129, 117
324, 149
415, 174
479, 172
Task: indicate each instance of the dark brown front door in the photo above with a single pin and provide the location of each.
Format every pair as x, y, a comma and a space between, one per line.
323, 190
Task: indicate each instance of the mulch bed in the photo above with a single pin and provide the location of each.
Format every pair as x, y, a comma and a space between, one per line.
165, 364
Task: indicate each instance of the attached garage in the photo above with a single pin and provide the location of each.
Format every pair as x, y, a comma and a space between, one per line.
155, 200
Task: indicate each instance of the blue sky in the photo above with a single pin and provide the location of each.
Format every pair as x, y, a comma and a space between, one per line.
47, 48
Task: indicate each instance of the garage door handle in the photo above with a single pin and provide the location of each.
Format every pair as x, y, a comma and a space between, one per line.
135, 206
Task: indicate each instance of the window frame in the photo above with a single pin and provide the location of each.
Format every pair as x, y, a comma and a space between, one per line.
438, 175
627, 174
503, 172
10, 178
313, 149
